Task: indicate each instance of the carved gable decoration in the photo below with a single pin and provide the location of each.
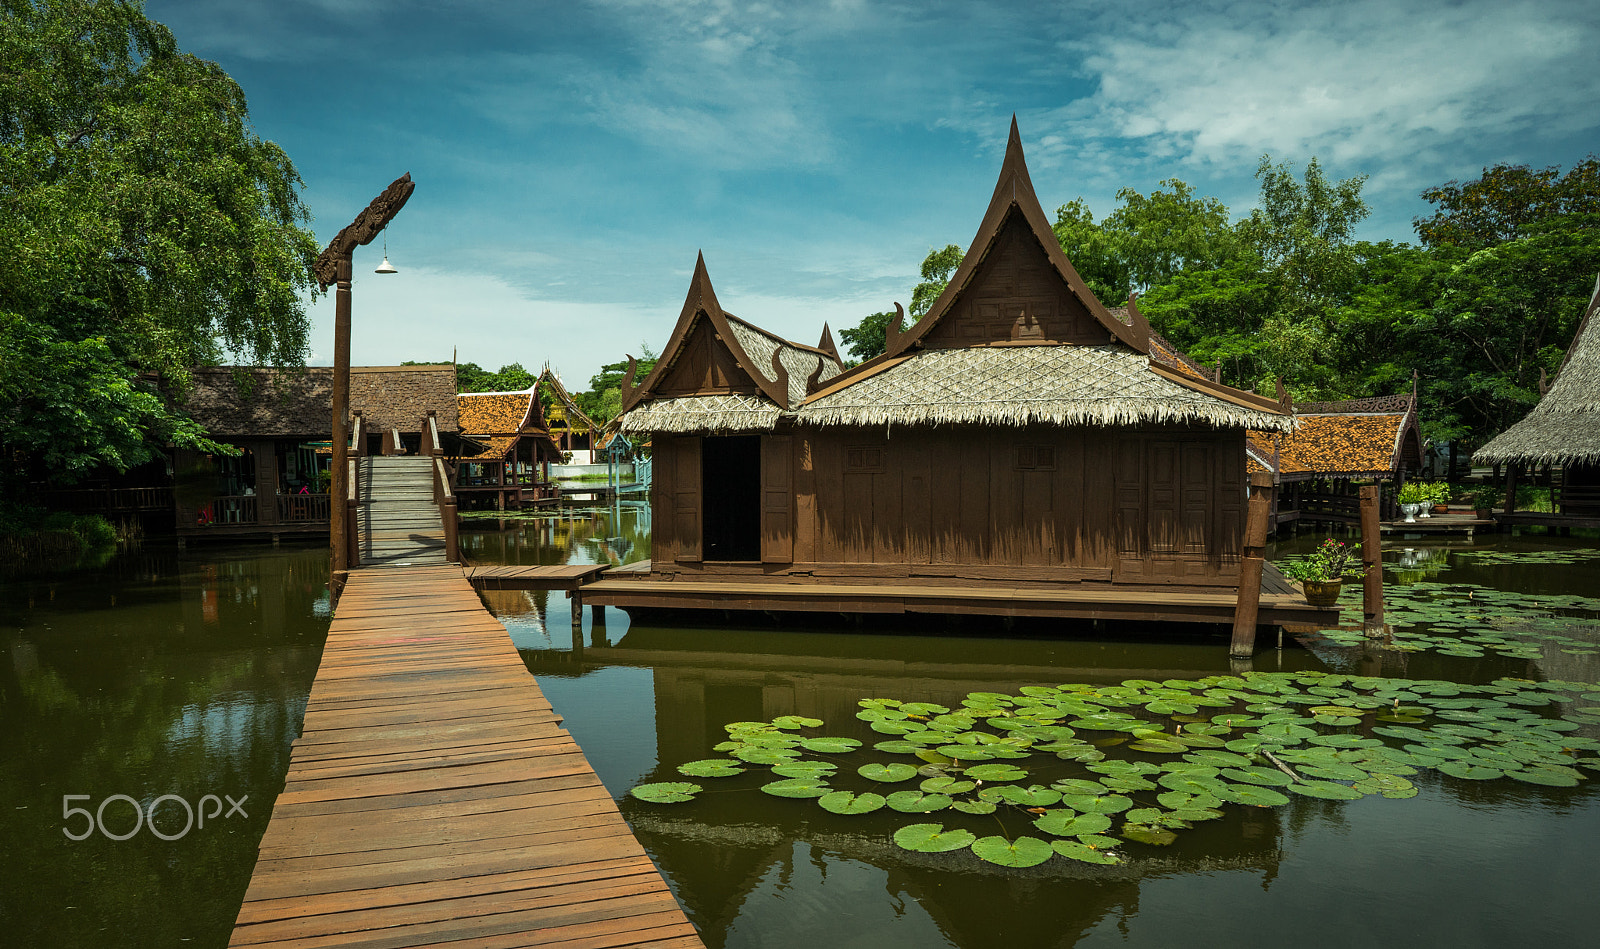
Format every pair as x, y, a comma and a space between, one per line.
1015, 294
1015, 285
704, 366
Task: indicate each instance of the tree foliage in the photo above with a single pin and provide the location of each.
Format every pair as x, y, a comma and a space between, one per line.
1505, 202
868, 338
937, 269
147, 230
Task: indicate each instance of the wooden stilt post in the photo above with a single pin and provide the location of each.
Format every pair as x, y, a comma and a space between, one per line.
1250, 566
1372, 558
577, 613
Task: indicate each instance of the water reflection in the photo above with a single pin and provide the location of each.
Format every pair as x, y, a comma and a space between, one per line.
160, 675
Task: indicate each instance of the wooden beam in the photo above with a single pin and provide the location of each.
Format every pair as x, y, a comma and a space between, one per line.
1250, 567
1372, 558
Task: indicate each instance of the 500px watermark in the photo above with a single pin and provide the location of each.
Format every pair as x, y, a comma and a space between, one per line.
146, 818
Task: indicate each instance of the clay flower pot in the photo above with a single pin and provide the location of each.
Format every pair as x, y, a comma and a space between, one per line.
1322, 593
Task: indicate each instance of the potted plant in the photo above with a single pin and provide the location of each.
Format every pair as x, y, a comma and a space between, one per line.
1321, 574
1412, 494
1484, 501
1440, 496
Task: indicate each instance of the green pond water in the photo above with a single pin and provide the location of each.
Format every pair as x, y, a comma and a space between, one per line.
187, 676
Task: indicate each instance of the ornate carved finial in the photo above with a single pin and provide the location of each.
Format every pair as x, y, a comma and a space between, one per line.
367, 225
1283, 397
893, 329
1139, 325
628, 388
1544, 383
780, 375
814, 381
1216, 374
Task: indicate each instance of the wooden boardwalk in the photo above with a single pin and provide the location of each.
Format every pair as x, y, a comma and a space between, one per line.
433, 798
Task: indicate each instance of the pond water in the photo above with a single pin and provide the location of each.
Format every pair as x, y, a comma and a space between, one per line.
168, 676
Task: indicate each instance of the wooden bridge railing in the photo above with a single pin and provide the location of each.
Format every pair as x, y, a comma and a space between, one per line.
294, 508
443, 495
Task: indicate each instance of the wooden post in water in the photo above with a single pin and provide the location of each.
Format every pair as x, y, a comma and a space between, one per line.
1372, 559
1250, 566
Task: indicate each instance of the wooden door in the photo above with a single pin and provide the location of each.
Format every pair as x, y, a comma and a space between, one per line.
686, 504
777, 499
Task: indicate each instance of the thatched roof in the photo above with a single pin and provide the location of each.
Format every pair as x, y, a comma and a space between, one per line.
1023, 385
276, 403
1564, 428
771, 374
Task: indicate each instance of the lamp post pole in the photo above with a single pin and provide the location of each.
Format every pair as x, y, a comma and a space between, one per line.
333, 266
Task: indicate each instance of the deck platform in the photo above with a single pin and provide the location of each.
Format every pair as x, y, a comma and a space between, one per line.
1459, 524
433, 797
1281, 602
534, 577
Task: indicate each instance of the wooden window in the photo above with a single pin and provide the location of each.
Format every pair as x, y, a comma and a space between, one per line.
1036, 458
863, 458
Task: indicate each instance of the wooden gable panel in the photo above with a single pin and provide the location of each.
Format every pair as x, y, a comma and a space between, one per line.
1016, 279
704, 366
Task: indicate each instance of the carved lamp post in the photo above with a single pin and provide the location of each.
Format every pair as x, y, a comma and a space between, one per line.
333, 265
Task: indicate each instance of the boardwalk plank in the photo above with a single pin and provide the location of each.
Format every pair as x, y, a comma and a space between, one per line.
433, 797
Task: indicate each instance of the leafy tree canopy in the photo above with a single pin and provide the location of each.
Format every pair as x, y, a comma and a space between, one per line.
147, 230
1505, 202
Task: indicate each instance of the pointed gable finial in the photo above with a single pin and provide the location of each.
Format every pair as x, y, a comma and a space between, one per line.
826, 343
700, 290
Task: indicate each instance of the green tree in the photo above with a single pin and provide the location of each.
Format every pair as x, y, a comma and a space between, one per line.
147, 230
1505, 202
603, 400
868, 338
937, 268
1305, 232
1096, 252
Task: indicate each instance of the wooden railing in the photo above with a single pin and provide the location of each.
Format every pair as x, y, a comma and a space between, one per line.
352, 503
358, 435
109, 500
299, 508
392, 443
443, 495
234, 509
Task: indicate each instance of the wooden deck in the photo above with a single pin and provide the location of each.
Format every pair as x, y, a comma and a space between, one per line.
433, 798
534, 577
1281, 602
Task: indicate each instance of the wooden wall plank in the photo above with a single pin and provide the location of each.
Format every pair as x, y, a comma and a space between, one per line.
777, 499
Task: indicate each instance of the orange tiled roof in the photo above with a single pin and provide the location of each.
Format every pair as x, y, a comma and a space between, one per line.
1335, 445
494, 413
1167, 354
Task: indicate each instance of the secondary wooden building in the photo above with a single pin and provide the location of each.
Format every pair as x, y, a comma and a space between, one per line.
516, 449
573, 430
1018, 443
281, 421
1337, 444
1562, 431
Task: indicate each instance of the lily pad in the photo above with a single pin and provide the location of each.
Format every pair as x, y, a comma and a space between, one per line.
1327, 790
830, 746
805, 769
1066, 823
1470, 772
1075, 850
667, 792
887, 773
710, 768
792, 722
932, 838
1034, 796
974, 807
916, 802
996, 772
1149, 834
845, 802
1021, 852
797, 787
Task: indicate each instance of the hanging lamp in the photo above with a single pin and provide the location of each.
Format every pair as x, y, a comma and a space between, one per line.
386, 267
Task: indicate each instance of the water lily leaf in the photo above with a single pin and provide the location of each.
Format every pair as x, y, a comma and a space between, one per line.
831, 746
1470, 772
916, 802
711, 768
793, 722
1079, 786
1345, 741
1074, 850
896, 728
1189, 784
765, 755
805, 769
797, 787
1158, 746
1147, 834
1379, 783
923, 708
1335, 771
1098, 841
1546, 776
933, 757
1197, 740
898, 747
1067, 823
887, 773
932, 838
1258, 775
1324, 789
1022, 852
1155, 817
1101, 804
1197, 814
1127, 782
845, 802
967, 752
1180, 801
1035, 796
974, 807
944, 784
996, 772
1218, 759
667, 792
1256, 796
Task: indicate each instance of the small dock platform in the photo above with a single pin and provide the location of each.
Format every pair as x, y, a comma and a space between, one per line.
567, 577
1459, 524
1281, 603
434, 799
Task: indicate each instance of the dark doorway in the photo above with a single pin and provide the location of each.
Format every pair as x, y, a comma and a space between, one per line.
730, 472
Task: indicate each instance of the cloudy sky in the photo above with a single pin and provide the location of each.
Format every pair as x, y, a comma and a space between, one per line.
571, 158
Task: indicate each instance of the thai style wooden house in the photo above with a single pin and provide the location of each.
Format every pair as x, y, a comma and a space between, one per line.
1337, 444
1563, 432
1016, 451
517, 447
281, 421
570, 427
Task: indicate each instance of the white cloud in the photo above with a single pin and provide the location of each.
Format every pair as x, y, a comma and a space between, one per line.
1360, 82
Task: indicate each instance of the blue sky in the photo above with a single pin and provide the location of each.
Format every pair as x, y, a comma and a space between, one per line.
571, 158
